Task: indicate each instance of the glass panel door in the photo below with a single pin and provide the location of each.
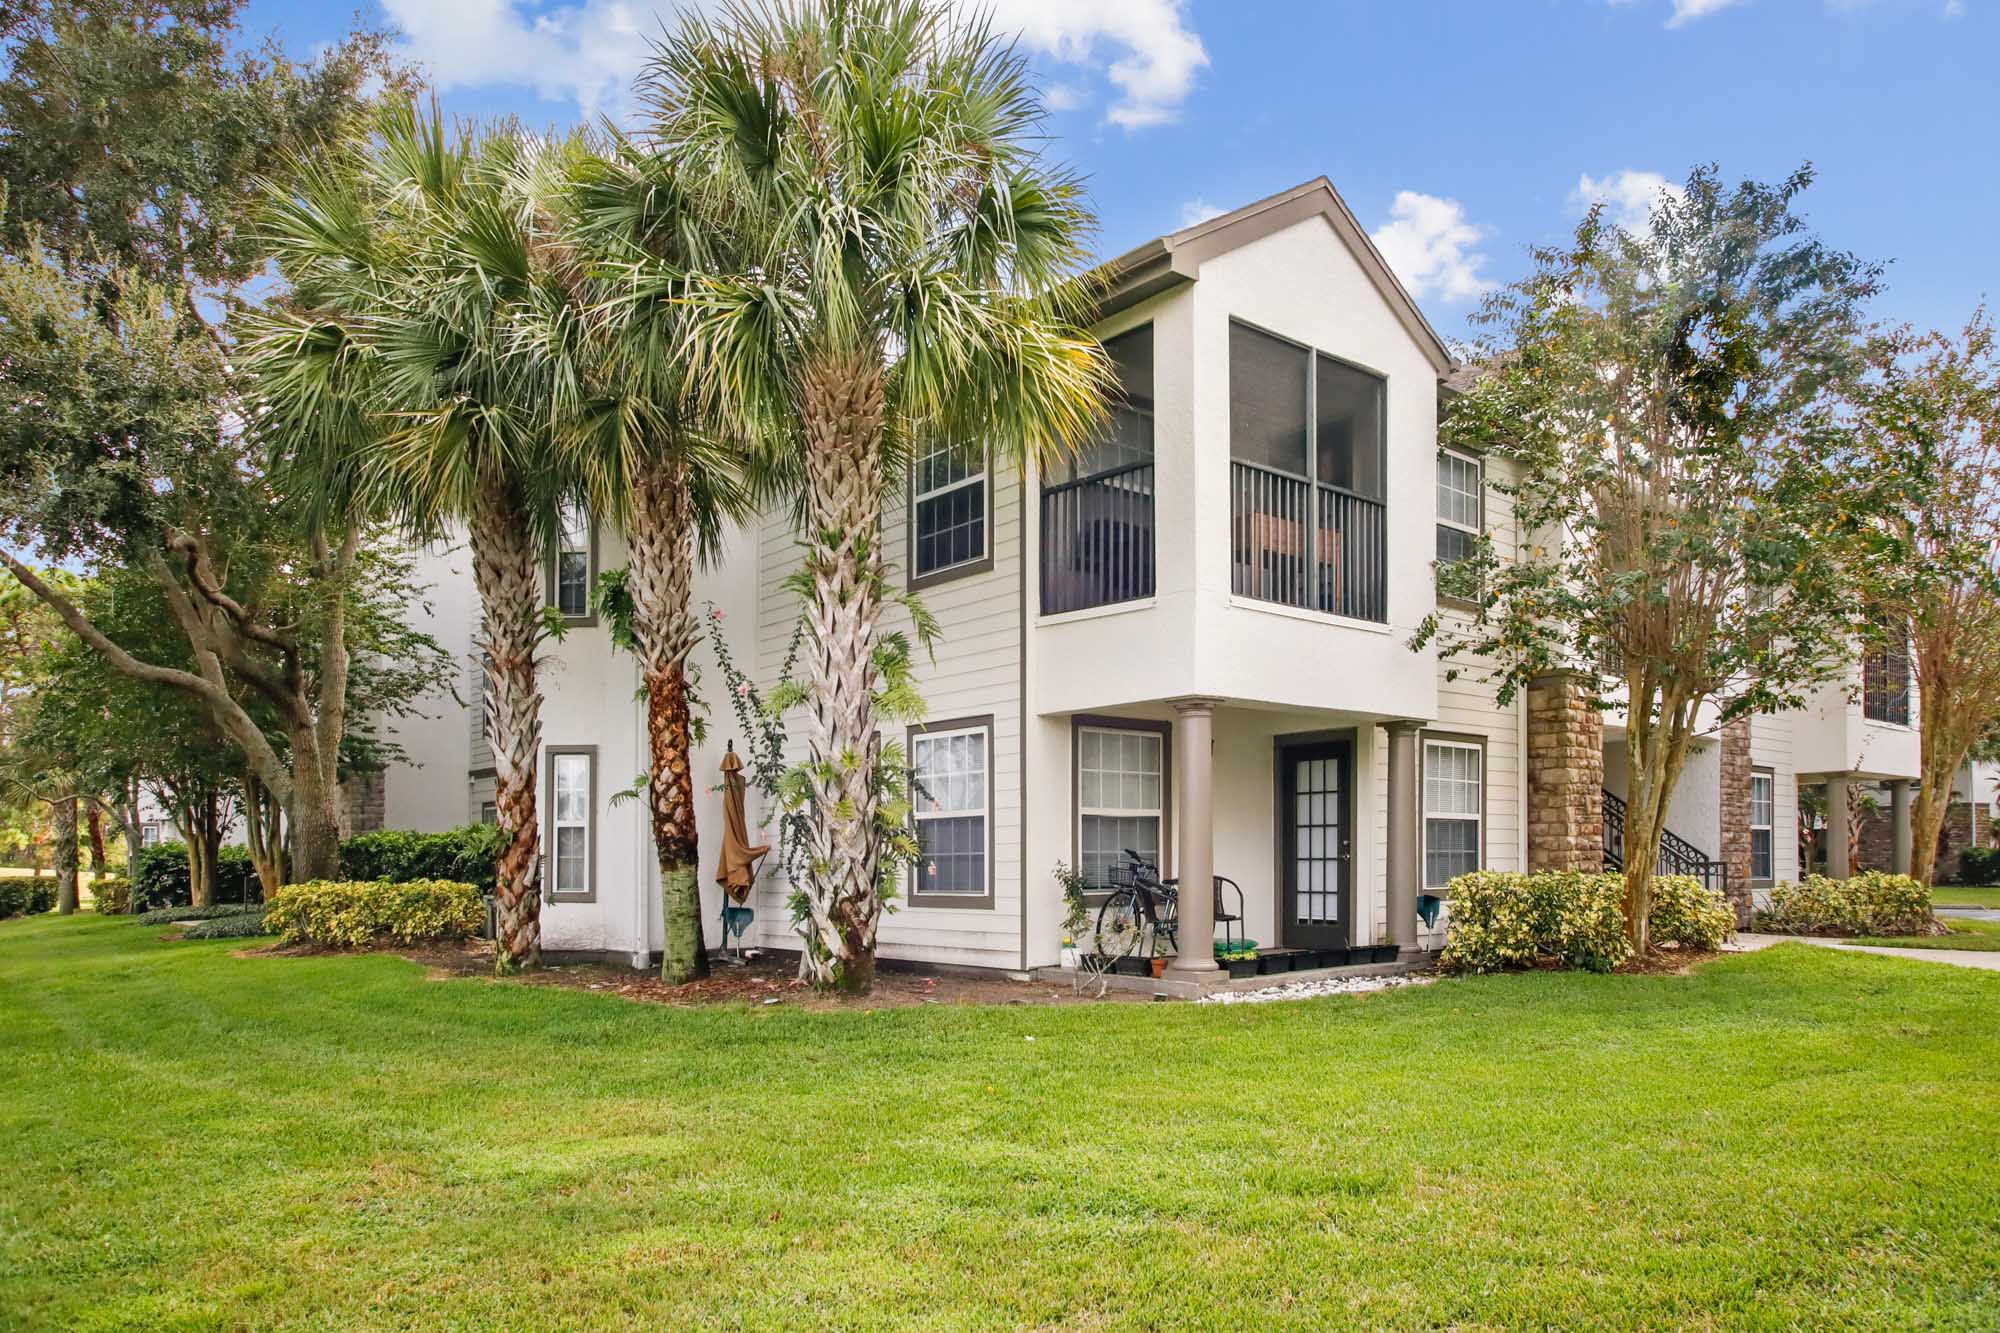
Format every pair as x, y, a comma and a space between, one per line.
1316, 848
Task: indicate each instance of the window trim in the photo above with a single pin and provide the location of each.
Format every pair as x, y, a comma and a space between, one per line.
589, 616
982, 564
550, 754
1479, 470
960, 901
1464, 740
1770, 775
1078, 724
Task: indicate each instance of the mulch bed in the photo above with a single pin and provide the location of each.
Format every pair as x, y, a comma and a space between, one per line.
765, 981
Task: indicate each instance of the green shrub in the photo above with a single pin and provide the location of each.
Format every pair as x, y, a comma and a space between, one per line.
27, 896
357, 912
112, 895
1871, 903
465, 855
1688, 913
240, 925
1503, 920
160, 876
1979, 865
167, 916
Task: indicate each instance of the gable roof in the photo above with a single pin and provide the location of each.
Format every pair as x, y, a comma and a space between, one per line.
1168, 261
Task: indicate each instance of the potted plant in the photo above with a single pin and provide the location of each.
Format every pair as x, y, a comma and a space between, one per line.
1159, 957
1240, 960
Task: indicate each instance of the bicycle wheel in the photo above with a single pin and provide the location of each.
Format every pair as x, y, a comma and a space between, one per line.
1120, 925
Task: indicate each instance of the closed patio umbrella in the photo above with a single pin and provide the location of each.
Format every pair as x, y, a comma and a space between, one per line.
736, 870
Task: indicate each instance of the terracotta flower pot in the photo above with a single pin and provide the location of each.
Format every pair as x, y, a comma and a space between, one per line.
1159, 967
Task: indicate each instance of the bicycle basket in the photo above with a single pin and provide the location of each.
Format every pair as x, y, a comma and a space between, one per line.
1123, 875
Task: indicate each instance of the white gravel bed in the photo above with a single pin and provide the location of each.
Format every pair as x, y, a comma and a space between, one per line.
1308, 990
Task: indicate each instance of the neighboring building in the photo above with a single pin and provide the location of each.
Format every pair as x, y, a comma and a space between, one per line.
1200, 624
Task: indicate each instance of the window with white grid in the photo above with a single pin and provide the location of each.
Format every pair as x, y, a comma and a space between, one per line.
950, 775
1121, 798
1460, 507
949, 528
569, 824
1454, 806
1762, 807
572, 573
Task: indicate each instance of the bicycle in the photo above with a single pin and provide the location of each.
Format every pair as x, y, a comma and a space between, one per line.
1140, 902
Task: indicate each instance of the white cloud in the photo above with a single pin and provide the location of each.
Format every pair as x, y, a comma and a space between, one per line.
1687, 11
1628, 196
1196, 211
1430, 244
589, 52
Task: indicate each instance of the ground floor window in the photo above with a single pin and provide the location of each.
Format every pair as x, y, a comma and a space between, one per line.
149, 835
951, 777
1454, 809
1121, 797
1762, 804
572, 801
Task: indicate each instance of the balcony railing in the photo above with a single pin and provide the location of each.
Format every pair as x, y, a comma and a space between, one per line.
1275, 521
1097, 540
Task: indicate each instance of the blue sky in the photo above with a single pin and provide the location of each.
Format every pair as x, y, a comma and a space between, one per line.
1460, 133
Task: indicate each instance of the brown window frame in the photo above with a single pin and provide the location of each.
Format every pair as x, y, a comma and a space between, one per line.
961, 901
549, 892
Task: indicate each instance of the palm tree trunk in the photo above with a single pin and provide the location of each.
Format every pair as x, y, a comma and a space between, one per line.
65, 854
660, 579
505, 571
844, 485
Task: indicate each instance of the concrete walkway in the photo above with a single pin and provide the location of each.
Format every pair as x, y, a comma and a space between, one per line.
1988, 962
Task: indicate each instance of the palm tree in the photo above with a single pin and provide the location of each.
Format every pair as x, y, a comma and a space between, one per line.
649, 461
908, 273
412, 367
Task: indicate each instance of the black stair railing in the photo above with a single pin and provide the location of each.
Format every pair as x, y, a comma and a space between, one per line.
1678, 856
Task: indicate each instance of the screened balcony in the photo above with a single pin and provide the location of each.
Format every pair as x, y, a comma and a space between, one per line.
1097, 508
1308, 526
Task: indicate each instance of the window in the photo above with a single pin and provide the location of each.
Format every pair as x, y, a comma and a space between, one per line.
1454, 805
1307, 523
1461, 513
1762, 804
1097, 507
489, 813
948, 511
1121, 797
572, 799
576, 558
1885, 683
951, 777
149, 835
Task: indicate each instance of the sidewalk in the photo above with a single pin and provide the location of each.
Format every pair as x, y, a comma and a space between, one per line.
1749, 942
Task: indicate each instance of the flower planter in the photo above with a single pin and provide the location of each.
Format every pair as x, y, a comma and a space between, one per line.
1242, 967
1133, 967
1269, 964
1159, 968
1382, 953
1330, 957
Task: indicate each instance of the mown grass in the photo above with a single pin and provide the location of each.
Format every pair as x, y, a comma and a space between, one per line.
192, 1139
1951, 895
1973, 936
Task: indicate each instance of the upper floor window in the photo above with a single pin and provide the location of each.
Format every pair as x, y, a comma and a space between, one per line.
950, 770
575, 561
1097, 507
1461, 493
1306, 443
1454, 809
1885, 683
1762, 807
948, 511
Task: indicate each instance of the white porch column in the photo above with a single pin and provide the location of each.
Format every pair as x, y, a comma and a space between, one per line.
1839, 823
1404, 874
1194, 758
1899, 827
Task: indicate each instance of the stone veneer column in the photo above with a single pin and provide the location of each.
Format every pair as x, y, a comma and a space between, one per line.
1404, 874
1194, 761
1734, 806
1839, 820
1565, 774
1900, 836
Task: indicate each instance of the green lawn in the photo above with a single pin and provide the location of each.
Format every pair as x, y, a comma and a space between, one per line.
1982, 936
190, 1139
1949, 895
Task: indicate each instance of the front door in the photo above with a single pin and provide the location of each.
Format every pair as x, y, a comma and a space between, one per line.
1316, 844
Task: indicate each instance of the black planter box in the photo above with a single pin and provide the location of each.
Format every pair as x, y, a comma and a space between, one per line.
1269, 963
1383, 953
1330, 957
1133, 967
1242, 967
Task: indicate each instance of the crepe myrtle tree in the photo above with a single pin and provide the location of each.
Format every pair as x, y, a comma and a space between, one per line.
1668, 396
1926, 473
904, 269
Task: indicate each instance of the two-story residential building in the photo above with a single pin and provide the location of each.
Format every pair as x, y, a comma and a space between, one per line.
1192, 640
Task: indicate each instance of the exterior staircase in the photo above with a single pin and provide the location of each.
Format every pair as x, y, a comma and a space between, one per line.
1678, 856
